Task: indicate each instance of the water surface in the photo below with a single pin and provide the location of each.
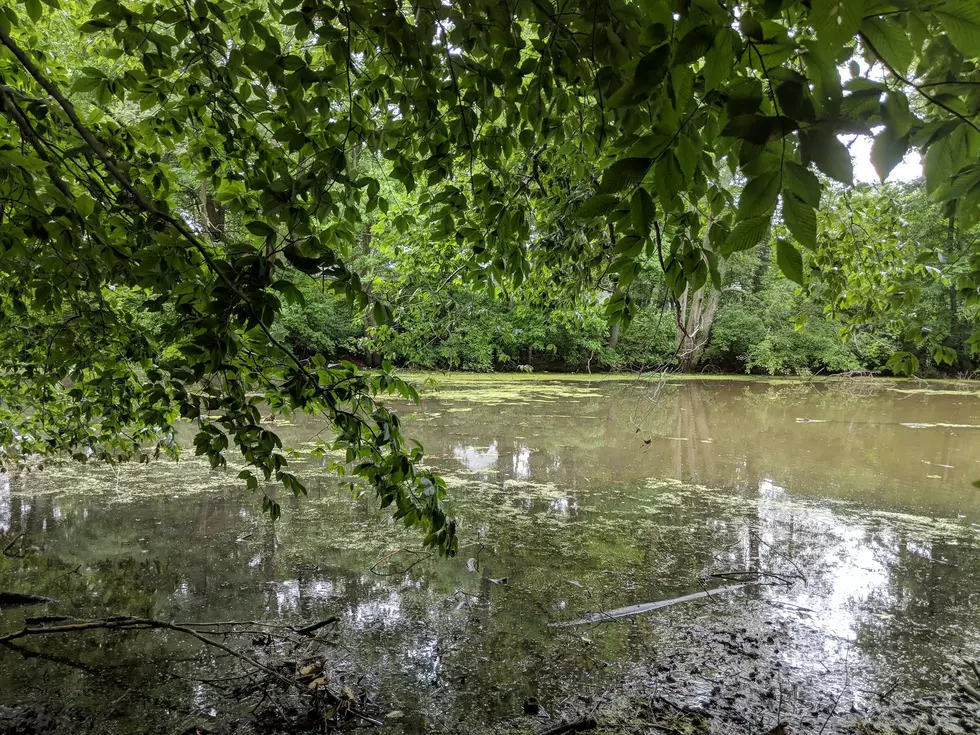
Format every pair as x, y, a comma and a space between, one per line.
851, 502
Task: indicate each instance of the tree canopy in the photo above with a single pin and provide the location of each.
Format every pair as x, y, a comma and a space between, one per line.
532, 139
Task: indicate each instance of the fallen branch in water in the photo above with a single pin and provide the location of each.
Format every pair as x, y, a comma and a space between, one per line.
625, 612
309, 630
16, 599
128, 623
760, 576
976, 670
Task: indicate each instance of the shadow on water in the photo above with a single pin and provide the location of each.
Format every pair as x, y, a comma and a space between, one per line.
850, 505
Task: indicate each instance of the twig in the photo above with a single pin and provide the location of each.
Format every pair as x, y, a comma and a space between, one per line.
9, 545
423, 555
837, 700
309, 630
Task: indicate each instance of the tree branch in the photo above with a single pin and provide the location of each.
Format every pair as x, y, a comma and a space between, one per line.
917, 87
145, 204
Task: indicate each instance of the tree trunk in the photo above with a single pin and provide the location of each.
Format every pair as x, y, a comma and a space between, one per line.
695, 313
212, 214
613, 336
373, 359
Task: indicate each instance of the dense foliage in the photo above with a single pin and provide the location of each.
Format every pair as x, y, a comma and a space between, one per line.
763, 322
176, 177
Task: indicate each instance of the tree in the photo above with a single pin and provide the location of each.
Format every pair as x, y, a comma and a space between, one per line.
538, 135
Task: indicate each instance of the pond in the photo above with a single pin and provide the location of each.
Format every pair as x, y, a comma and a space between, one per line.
847, 506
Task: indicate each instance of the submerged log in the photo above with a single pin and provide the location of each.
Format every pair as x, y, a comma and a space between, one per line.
625, 612
16, 599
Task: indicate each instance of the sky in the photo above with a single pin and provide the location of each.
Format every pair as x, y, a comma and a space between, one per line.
860, 147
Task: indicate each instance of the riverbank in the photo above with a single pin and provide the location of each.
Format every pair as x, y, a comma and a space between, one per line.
460, 376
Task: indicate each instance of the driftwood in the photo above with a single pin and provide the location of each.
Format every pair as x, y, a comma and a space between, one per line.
625, 612
16, 599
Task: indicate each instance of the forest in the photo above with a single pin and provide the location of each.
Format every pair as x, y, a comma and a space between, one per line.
755, 320
448, 333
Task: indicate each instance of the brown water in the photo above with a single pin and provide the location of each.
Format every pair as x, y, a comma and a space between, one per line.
852, 502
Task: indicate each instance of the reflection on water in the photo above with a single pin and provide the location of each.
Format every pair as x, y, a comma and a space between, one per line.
853, 506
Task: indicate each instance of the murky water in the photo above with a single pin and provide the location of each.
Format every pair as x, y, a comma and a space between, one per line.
851, 503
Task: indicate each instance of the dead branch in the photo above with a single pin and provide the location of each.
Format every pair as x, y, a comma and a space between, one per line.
6, 549
309, 630
16, 599
624, 612
128, 623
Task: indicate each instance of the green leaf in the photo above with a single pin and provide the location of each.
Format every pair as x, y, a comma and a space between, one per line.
669, 180
381, 313
643, 212
897, 113
832, 157
759, 129
688, 154
260, 228
942, 355
890, 41
800, 219
947, 155
289, 291
719, 60
86, 84
747, 234
887, 152
84, 204
751, 27
713, 269
902, 363
623, 174
759, 195
34, 9
836, 21
745, 98
802, 182
694, 44
651, 69
596, 206
789, 260
961, 20
97, 24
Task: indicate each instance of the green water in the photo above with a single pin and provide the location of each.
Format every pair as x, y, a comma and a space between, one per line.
852, 502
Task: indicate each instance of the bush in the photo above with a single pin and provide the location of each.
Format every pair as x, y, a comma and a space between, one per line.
324, 324
649, 341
